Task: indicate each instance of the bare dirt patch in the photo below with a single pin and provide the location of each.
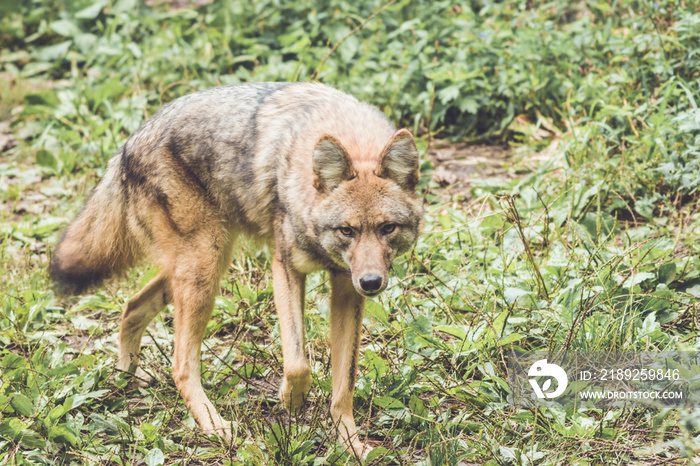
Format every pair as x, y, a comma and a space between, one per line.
458, 165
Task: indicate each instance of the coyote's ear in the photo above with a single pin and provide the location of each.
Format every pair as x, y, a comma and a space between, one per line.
399, 160
331, 164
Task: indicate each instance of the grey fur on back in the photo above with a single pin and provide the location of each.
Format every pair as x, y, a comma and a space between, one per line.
249, 146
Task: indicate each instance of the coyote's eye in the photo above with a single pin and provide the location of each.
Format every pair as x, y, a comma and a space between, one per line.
346, 231
388, 229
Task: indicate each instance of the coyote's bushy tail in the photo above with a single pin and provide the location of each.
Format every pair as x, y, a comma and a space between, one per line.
97, 244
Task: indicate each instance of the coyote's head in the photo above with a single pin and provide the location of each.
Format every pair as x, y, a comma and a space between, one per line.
366, 216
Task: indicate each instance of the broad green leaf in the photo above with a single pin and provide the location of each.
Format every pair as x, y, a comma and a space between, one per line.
387, 402
61, 434
65, 28
154, 457
46, 159
149, 431
459, 331
637, 278
22, 404
92, 11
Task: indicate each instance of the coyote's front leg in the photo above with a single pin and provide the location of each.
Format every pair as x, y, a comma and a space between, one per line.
288, 285
347, 309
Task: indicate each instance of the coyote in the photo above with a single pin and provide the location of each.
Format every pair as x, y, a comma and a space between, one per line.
326, 180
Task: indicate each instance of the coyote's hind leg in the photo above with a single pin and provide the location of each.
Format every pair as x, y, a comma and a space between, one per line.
139, 312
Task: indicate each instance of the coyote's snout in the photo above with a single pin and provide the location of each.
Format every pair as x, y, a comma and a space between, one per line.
325, 179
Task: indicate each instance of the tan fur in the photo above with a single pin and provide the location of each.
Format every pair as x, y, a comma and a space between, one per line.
322, 177
347, 310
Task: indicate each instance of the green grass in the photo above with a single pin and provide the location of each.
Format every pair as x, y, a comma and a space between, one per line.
589, 240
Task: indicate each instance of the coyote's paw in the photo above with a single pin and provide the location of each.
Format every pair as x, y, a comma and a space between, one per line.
358, 449
223, 430
352, 443
347, 431
141, 378
294, 390
136, 376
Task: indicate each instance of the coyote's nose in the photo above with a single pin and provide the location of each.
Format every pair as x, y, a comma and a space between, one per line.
371, 282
